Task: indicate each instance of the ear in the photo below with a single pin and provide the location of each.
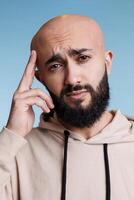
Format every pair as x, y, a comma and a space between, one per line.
37, 75
108, 61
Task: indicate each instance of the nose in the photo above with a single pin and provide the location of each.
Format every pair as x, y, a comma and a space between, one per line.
73, 74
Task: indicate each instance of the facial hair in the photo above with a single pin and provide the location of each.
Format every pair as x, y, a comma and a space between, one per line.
82, 117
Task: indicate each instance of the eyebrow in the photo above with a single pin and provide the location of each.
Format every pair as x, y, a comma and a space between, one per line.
71, 52
53, 58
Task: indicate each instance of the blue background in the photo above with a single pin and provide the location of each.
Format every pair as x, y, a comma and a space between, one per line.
19, 20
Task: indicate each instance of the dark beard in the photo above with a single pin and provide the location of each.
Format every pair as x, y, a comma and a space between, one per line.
80, 116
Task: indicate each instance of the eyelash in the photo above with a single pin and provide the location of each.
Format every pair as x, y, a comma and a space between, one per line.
86, 58
53, 68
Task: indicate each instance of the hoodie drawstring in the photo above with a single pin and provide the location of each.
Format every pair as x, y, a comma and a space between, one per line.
107, 171
64, 172
63, 191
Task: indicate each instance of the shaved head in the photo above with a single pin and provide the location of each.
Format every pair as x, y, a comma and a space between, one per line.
61, 28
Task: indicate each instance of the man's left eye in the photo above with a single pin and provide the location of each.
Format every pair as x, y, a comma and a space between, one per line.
83, 58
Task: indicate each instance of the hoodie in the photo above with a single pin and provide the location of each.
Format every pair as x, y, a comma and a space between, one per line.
53, 163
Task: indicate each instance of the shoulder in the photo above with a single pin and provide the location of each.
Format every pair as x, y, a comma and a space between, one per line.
42, 137
37, 135
40, 141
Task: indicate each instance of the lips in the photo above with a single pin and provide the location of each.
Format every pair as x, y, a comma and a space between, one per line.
77, 94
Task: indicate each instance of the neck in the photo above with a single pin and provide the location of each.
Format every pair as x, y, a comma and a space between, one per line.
87, 133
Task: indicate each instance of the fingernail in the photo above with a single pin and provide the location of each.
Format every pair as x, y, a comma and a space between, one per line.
52, 106
48, 111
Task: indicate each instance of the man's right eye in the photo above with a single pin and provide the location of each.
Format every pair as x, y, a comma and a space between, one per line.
55, 67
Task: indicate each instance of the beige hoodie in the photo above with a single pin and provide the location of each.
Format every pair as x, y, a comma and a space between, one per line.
100, 168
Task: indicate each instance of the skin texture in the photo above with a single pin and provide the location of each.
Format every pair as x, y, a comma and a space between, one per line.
64, 36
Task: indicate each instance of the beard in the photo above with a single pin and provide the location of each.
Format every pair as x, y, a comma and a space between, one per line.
80, 116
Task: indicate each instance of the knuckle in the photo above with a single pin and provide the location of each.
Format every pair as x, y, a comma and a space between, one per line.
42, 104
15, 96
37, 99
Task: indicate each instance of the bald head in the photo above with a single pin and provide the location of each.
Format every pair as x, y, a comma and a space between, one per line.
64, 28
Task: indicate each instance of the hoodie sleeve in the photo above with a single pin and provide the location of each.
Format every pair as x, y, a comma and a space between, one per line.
10, 144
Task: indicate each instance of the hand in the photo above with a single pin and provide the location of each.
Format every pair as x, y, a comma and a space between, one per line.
21, 117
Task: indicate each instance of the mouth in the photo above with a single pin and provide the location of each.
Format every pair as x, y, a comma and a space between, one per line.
79, 94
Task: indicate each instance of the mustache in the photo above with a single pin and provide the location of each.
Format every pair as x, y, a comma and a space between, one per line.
72, 88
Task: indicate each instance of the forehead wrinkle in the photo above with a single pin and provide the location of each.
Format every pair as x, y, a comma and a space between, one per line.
62, 55
59, 39
77, 51
70, 51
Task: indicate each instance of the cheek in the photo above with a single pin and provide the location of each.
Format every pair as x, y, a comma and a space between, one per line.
94, 72
54, 83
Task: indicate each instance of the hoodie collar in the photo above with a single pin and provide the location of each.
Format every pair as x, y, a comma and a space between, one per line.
118, 130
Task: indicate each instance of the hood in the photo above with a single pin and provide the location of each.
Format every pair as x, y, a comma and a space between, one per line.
120, 129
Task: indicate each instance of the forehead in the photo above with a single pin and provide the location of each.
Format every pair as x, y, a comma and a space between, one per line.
55, 39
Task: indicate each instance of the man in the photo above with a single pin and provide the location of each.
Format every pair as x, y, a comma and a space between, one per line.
80, 150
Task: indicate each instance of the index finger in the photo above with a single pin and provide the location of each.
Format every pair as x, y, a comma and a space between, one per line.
27, 78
